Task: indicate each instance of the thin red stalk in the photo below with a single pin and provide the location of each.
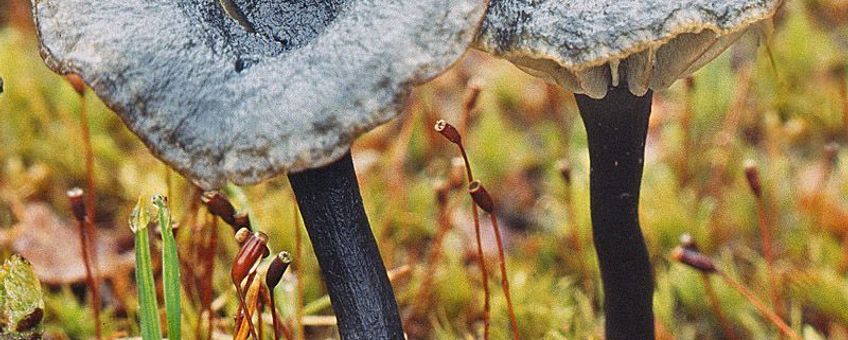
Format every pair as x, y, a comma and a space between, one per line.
275, 320
504, 279
467, 165
90, 236
279, 328
768, 252
760, 306
243, 307
89, 275
716, 305
481, 257
483, 271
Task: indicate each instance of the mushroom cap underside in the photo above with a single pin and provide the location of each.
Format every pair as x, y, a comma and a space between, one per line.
588, 46
241, 91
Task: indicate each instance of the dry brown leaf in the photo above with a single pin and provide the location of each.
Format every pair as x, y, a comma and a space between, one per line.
52, 245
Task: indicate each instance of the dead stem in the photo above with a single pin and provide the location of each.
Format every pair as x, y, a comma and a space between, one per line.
480, 256
716, 306
90, 236
451, 134
275, 317
504, 279
298, 249
760, 306
688, 254
75, 196
483, 271
243, 310
765, 228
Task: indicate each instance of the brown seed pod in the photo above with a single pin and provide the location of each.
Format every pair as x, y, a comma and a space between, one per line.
277, 269
220, 206
448, 131
694, 259
481, 197
247, 256
753, 176
75, 195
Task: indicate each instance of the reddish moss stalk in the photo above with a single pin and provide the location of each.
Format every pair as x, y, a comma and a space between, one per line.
452, 135
79, 209
752, 174
690, 256
90, 236
247, 257
504, 279
716, 306
272, 277
760, 306
484, 273
482, 198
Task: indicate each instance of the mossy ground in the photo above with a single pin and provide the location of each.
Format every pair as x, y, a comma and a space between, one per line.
780, 104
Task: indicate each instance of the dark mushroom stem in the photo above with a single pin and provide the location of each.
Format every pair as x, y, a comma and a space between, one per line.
616, 127
353, 271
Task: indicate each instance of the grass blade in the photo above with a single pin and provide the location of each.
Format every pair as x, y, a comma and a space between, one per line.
148, 307
170, 268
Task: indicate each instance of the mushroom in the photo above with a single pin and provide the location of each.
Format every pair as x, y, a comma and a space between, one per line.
612, 54
242, 91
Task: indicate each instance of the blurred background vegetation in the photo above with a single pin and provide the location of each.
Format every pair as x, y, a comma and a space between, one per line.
779, 102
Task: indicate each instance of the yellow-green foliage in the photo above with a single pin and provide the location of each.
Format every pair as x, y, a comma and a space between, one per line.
786, 113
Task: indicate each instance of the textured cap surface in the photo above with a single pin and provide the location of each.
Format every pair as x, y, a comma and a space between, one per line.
586, 46
243, 90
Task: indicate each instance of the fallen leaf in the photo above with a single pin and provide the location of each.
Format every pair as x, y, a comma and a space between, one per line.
52, 245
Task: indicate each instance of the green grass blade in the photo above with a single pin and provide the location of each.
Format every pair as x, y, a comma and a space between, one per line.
170, 268
148, 307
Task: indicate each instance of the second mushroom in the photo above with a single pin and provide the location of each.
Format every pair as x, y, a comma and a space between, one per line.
612, 55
